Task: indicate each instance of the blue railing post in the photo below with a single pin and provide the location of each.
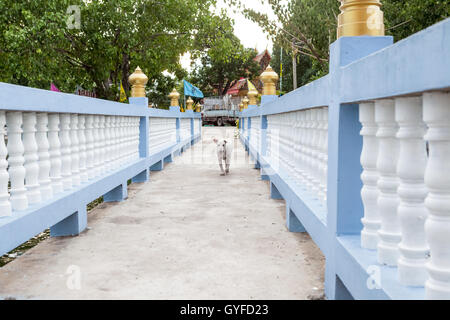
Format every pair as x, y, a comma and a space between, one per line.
263, 137
263, 146
344, 147
249, 128
178, 129
192, 131
143, 139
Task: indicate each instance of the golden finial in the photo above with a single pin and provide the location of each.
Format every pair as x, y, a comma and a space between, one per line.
252, 94
198, 108
360, 18
174, 95
269, 78
138, 80
189, 103
241, 106
245, 102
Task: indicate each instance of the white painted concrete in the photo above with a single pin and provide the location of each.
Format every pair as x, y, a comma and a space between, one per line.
188, 234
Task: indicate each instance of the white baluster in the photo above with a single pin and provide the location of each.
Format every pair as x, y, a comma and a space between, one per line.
96, 135
55, 153
66, 159
325, 160
90, 158
137, 122
117, 144
284, 141
302, 135
436, 114
108, 144
19, 200
82, 148
31, 158
74, 150
308, 148
369, 176
296, 137
112, 134
102, 144
123, 138
119, 131
129, 139
5, 205
43, 145
411, 191
114, 138
389, 232
315, 165
322, 147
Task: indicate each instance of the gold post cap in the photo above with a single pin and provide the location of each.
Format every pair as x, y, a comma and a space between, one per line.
189, 103
138, 80
245, 102
360, 18
269, 78
252, 94
174, 95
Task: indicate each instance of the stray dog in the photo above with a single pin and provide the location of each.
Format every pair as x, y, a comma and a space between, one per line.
224, 150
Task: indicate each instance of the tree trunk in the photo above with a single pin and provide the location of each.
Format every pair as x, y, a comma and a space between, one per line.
294, 70
125, 72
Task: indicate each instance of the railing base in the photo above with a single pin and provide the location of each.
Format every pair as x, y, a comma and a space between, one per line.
119, 193
72, 225
292, 222
157, 166
144, 176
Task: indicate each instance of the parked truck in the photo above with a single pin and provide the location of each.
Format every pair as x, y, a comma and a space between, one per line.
220, 110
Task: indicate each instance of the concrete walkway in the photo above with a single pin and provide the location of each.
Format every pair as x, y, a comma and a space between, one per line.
187, 234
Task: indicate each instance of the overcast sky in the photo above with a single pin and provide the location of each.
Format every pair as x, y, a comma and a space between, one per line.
250, 34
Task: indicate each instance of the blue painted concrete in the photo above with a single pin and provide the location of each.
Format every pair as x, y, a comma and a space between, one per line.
168, 159
292, 222
361, 68
143, 133
72, 225
119, 193
144, 176
274, 193
157, 166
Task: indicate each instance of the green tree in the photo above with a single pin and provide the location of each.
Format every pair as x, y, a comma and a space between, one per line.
403, 18
225, 60
304, 68
36, 45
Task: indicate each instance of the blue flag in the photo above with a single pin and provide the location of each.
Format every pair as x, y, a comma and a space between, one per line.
191, 90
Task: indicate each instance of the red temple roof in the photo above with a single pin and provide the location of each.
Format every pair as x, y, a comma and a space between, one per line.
234, 90
259, 57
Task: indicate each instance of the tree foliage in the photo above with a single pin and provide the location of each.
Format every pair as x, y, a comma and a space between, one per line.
223, 61
116, 36
403, 18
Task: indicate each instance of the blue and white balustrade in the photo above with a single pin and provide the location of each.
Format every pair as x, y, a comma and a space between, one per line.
298, 143
59, 152
362, 158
